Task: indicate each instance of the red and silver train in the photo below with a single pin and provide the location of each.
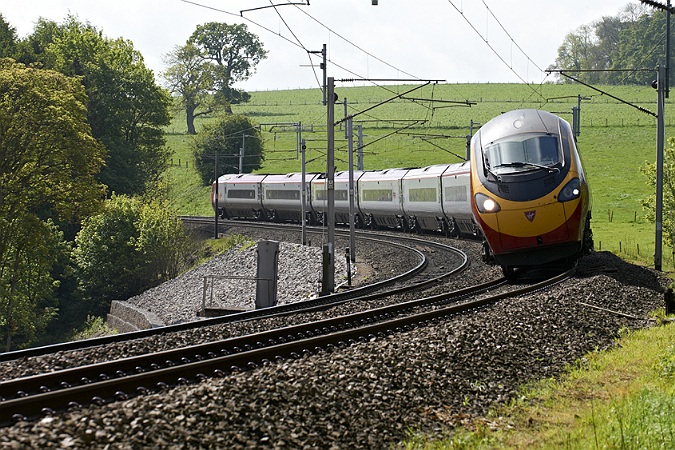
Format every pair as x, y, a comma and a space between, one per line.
529, 192
431, 198
523, 190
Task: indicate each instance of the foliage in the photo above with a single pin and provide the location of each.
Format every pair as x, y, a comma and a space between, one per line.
8, 39
616, 50
224, 140
649, 203
94, 327
233, 51
48, 160
130, 247
193, 79
126, 108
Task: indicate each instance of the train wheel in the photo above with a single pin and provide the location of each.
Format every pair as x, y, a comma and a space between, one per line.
510, 273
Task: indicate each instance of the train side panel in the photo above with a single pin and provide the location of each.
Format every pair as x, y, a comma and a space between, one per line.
422, 198
240, 196
341, 187
282, 196
456, 188
381, 199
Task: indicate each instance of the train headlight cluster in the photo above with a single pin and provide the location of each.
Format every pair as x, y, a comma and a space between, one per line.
571, 191
485, 204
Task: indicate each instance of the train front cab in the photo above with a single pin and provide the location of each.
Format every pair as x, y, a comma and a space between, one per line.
529, 191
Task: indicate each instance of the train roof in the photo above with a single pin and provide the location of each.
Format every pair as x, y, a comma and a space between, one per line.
519, 121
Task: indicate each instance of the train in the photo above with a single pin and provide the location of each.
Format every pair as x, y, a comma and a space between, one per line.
529, 192
522, 191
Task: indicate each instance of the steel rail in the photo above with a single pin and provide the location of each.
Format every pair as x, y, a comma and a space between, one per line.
361, 328
325, 301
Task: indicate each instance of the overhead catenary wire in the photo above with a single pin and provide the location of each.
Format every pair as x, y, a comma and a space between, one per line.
492, 48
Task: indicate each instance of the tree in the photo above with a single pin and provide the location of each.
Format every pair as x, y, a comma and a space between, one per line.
126, 108
226, 139
130, 247
233, 50
8, 39
193, 79
649, 204
616, 50
48, 163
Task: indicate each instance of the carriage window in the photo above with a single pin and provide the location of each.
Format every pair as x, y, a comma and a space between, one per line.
422, 195
377, 195
526, 148
241, 193
456, 193
282, 194
340, 194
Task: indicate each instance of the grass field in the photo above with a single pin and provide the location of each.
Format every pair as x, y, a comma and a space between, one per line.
616, 139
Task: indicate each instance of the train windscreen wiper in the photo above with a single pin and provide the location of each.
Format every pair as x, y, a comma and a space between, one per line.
530, 164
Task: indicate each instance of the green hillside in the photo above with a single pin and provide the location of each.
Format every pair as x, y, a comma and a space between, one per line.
616, 139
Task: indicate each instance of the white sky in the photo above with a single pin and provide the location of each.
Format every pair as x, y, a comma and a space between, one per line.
425, 39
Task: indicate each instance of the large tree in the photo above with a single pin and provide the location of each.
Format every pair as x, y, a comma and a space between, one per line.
48, 163
234, 51
126, 108
226, 139
616, 50
8, 39
193, 79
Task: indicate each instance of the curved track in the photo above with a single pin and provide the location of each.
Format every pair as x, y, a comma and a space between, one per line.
117, 380
414, 278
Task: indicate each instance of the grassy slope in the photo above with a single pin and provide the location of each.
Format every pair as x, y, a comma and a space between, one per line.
623, 394
615, 141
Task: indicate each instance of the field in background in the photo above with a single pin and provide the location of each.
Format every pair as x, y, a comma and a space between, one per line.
616, 139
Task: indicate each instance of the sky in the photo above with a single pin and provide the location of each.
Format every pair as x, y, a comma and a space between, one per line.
453, 41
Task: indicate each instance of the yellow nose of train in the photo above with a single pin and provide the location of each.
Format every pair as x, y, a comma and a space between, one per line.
529, 193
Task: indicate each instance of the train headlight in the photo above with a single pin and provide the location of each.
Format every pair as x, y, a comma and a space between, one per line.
485, 204
571, 191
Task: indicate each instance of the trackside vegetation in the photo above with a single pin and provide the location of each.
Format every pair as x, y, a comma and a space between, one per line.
618, 399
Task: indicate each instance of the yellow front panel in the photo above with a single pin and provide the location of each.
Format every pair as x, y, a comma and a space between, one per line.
528, 219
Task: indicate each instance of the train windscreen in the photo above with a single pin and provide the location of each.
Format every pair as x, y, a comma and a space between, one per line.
522, 152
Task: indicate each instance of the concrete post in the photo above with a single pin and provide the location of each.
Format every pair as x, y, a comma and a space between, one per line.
268, 268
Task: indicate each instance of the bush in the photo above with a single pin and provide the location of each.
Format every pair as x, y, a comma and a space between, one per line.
130, 247
225, 139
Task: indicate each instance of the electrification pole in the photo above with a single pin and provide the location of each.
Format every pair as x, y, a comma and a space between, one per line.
215, 200
660, 140
350, 150
328, 285
303, 147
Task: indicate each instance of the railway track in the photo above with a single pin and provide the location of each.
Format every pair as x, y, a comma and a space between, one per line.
30, 397
414, 278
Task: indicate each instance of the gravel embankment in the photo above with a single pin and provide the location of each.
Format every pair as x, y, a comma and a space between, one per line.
299, 278
369, 395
